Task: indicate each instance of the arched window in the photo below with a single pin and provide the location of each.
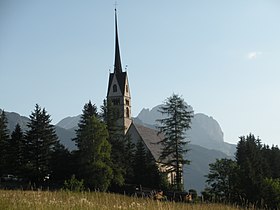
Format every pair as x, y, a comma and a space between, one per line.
115, 88
126, 102
127, 112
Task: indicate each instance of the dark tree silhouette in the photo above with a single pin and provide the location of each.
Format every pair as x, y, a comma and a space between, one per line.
177, 120
41, 139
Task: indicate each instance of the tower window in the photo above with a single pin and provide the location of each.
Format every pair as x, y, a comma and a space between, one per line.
127, 112
126, 88
115, 88
127, 102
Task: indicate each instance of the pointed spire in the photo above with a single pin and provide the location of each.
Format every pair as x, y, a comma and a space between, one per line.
118, 64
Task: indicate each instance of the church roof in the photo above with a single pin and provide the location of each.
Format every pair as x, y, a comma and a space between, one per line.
121, 76
151, 138
118, 63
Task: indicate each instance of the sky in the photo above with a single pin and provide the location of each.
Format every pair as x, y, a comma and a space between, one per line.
221, 56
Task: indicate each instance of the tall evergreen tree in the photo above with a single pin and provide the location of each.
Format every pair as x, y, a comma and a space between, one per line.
120, 145
140, 165
251, 174
41, 139
177, 121
155, 178
89, 111
93, 150
272, 159
145, 169
62, 164
129, 157
16, 152
4, 139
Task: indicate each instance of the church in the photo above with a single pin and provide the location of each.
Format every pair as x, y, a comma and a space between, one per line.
119, 94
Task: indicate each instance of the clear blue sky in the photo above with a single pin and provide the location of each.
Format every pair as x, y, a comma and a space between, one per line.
222, 56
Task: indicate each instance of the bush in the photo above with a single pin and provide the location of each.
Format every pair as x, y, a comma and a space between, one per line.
74, 184
271, 193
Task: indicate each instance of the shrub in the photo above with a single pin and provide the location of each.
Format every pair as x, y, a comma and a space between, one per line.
271, 193
74, 184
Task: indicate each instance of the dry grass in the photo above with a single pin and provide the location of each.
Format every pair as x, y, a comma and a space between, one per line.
90, 200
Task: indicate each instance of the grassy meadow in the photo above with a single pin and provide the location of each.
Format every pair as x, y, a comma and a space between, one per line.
90, 200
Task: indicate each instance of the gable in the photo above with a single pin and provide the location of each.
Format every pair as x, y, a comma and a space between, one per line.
120, 78
114, 88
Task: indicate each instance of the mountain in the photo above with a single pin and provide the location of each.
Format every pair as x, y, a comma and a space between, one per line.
69, 122
200, 157
205, 131
15, 118
65, 135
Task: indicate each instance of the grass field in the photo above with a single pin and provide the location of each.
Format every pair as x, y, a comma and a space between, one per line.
90, 200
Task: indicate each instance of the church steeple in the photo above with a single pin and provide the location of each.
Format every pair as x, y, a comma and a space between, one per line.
118, 64
118, 88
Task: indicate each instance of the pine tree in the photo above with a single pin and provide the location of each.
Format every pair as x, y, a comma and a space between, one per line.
129, 156
272, 159
62, 164
250, 162
89, 111
41, 139
140, 164
177, 121
4, 139
155, 179
93, 150
15, 153
120, 145
145, 169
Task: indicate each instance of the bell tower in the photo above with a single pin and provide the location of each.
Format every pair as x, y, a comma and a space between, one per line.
118, 88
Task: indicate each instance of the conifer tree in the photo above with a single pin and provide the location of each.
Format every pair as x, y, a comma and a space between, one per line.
145, 169
4, 138
121, 147
250, 162
41, 139
62, 164
129, 156
16, 152
93, 150
89, 111
155, 179
177, 120
140, 165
